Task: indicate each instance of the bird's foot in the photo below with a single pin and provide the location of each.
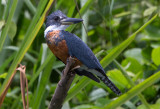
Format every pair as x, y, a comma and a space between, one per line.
71, 73
70, 59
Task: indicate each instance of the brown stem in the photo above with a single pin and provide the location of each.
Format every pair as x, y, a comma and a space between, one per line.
63, 86
2, 96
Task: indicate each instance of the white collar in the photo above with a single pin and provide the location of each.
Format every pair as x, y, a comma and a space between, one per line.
54, 27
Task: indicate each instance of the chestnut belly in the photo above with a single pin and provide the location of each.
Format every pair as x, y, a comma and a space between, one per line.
60, 50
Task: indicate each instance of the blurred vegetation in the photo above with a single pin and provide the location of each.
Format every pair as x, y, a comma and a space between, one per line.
124, 35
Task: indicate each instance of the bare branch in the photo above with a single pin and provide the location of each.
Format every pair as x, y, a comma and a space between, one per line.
63, 86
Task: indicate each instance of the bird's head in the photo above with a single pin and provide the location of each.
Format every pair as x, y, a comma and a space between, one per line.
59, 21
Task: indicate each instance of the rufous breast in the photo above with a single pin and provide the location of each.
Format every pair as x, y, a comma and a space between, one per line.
58, 46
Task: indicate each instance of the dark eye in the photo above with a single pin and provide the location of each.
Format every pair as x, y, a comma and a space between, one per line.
56, 18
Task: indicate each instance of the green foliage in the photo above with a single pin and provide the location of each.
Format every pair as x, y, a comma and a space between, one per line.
12, 30
124, 35
2, 23
156, 56
3, 75
119, 80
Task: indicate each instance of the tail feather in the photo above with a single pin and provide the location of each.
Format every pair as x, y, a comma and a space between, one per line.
111, 85
88, 74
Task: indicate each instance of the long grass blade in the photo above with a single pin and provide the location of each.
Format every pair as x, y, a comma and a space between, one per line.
134, 91
30, 6
25, 46
42, 84
131, 83
6, 28
1, 10
117, 50
49, 57
7, 10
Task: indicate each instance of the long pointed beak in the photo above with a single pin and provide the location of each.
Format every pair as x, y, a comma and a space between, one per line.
69, 21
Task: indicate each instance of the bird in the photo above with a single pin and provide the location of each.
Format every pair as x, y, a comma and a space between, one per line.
64, 44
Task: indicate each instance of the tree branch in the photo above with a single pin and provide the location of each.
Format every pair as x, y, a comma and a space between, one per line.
63, 86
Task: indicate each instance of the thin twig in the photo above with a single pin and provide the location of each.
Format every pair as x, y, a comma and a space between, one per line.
23, 79
63, 86
23, 83
80, 16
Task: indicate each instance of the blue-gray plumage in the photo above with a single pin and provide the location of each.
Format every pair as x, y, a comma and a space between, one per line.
81, 51
64, 44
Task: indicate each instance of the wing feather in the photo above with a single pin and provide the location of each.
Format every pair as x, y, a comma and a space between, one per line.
77, 48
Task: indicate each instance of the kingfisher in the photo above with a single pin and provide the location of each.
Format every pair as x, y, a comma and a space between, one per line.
64, 44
